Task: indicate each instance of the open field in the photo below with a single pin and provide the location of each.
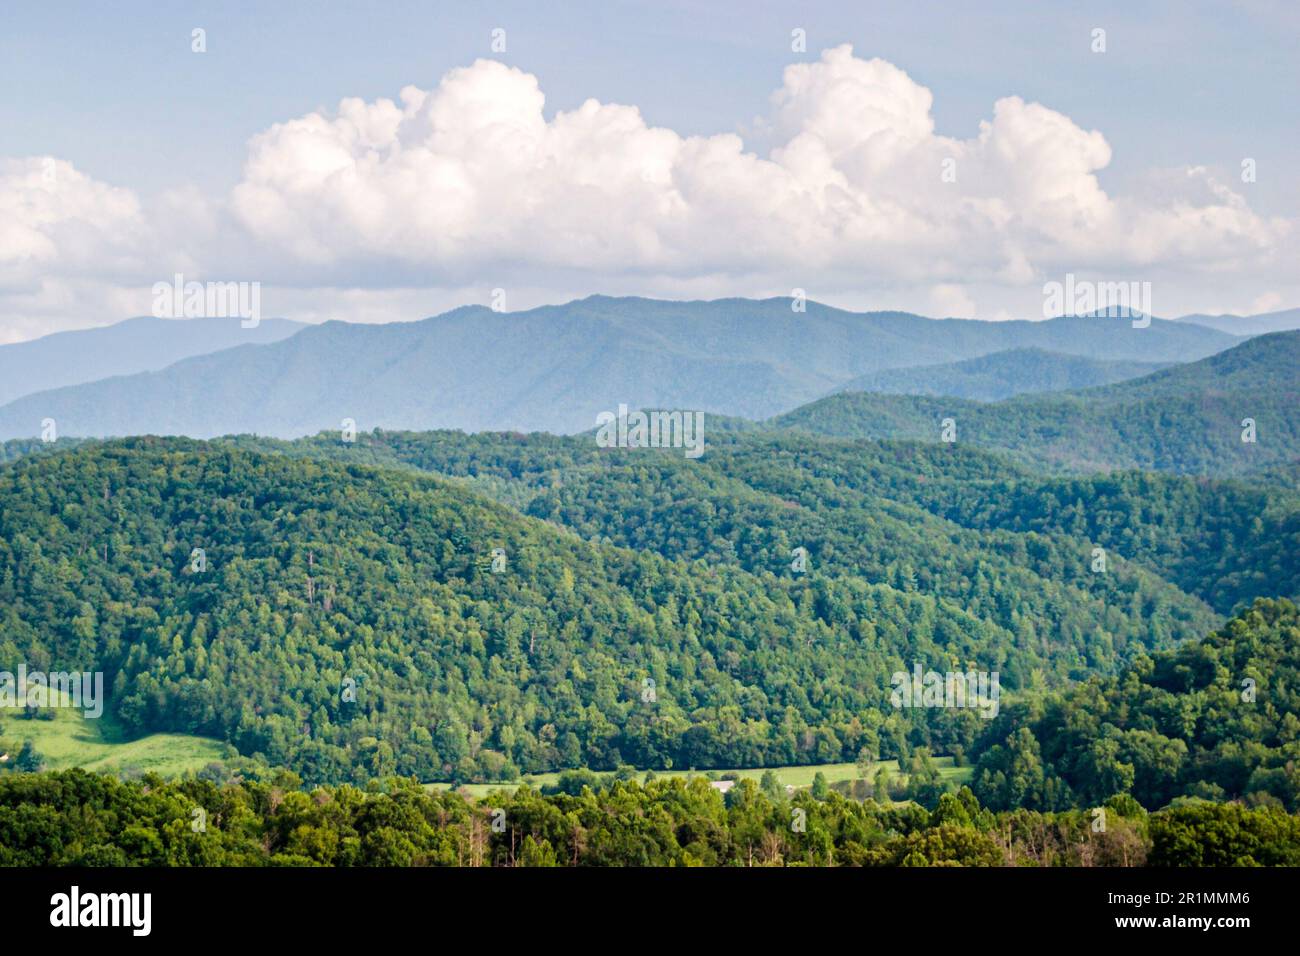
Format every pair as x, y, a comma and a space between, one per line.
71, 740
798, 777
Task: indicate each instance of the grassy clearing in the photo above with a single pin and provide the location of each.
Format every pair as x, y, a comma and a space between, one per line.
797, 777
71, 740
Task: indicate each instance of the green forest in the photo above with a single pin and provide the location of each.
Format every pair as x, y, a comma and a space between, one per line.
466, 609
77, 819
1215, 719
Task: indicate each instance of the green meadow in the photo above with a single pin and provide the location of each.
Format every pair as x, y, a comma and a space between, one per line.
71, 740
797, 777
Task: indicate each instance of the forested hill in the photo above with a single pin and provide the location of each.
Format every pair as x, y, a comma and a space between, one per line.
1217, 719
946, 519
1188, 419
317, 572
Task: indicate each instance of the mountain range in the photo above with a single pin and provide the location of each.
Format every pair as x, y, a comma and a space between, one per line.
141, 344
1283, 321
466, 606
556, 368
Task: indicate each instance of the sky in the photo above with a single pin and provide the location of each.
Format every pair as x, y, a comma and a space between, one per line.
386, 161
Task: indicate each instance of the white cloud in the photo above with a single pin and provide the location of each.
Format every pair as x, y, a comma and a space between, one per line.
472, 174
951, 302
53, 215
470, 185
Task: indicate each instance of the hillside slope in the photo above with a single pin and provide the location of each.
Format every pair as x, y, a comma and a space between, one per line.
320, 571
1215, 719
347, 623
955, 521
1000, 375
1186, 419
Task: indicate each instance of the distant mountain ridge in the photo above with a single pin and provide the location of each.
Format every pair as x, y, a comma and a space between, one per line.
555, 368
142, 344
1189, 419
1261, 324
1000, 375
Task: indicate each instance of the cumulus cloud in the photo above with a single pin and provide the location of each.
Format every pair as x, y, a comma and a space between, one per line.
470, 184
472, 174
52, 215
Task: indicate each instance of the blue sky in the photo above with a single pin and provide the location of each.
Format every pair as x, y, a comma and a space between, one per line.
116, 92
